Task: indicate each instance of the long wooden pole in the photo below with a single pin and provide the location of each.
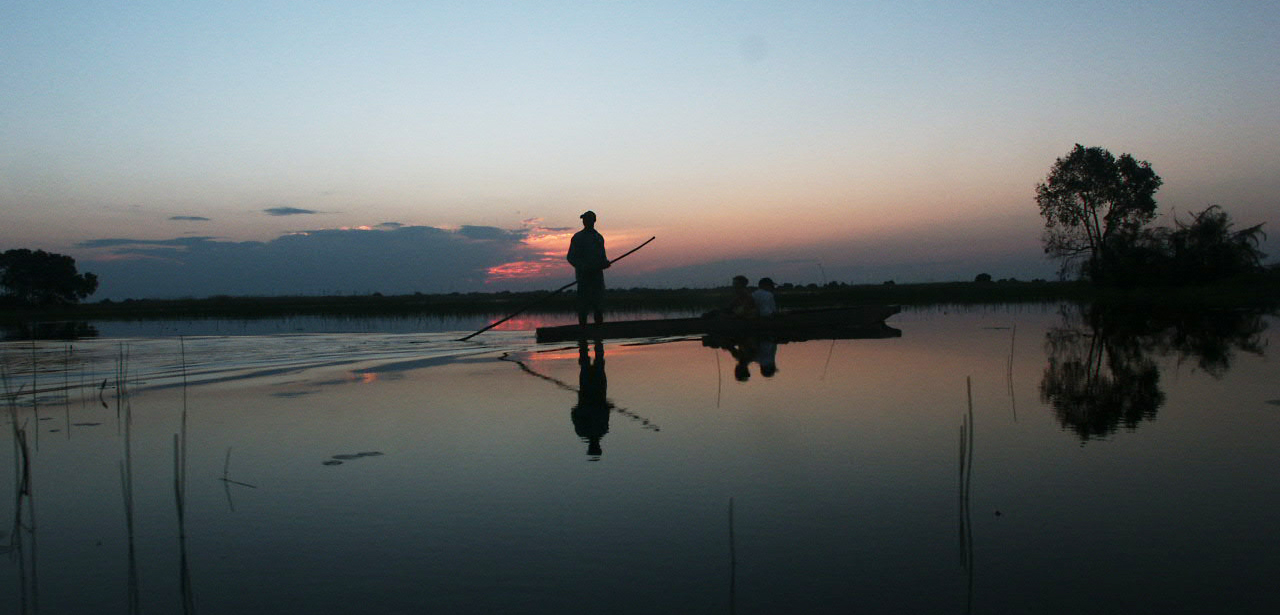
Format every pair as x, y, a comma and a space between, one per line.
553, 293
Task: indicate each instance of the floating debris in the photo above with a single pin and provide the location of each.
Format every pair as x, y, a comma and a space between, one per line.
85, 424
331, 462
1274, 402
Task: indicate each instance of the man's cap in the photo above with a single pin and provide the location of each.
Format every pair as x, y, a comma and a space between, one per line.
588, 214
766, 281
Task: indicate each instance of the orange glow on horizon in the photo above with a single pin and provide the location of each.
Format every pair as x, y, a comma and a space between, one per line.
545, 253
522, 270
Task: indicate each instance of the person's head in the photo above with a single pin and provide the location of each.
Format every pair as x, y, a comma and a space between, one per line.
588, 219
766, 283
740, 281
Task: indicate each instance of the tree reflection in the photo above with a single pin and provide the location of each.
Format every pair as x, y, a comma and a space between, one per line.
62, 330
1102, 373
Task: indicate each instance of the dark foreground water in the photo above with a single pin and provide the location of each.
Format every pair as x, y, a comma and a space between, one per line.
993, 460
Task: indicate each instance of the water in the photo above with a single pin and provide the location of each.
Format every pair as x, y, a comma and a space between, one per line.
990, 460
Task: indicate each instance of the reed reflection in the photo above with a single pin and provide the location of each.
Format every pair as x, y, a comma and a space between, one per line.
1101, 371
21, 544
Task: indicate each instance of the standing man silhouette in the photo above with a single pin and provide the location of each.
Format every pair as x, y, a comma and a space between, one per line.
586, 254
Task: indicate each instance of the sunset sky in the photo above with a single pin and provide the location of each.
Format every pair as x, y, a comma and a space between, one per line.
198, 148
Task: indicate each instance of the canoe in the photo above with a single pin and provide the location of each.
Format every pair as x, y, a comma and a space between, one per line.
841, 323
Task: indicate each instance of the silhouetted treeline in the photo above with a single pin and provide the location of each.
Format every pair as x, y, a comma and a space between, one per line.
1203, 250
39, 278
1263, 288
1097, 208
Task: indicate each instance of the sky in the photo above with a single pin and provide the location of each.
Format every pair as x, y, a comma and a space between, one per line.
200, 148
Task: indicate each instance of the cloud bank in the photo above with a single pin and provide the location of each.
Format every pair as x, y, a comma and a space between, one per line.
390, 258
393, 258
288, 211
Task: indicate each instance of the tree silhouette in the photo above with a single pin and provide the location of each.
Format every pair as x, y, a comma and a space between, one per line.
1091, 201
43, 278
1207, 249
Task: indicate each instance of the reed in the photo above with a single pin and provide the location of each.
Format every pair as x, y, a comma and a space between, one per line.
35, 393
23, 505
124, 427
733, 563
966, 486
66, 387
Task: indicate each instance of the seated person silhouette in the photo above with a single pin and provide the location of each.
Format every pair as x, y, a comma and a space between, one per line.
742, 305
765, 302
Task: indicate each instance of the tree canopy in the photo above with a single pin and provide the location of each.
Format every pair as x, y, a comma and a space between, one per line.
1090, 200
1208, 248
43, 278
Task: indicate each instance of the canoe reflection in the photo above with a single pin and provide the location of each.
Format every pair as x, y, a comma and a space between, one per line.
591, 414
763, 349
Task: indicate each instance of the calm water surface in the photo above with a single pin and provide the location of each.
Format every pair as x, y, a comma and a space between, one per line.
989, 460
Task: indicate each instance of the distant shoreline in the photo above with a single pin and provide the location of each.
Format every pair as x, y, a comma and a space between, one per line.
1264, 290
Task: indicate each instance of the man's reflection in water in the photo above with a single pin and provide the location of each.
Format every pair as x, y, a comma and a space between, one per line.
591, 414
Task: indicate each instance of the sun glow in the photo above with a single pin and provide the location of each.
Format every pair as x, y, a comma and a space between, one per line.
522, 270
544, 250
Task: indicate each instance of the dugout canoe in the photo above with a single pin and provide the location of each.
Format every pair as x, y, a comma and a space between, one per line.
844, 323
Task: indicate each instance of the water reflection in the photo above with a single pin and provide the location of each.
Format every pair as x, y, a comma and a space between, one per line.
67, 330
591, 414
1102, 373
746, 350
763, 349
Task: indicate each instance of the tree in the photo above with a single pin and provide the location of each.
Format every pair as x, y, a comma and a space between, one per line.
1207, 249
1093, 204
43, 278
